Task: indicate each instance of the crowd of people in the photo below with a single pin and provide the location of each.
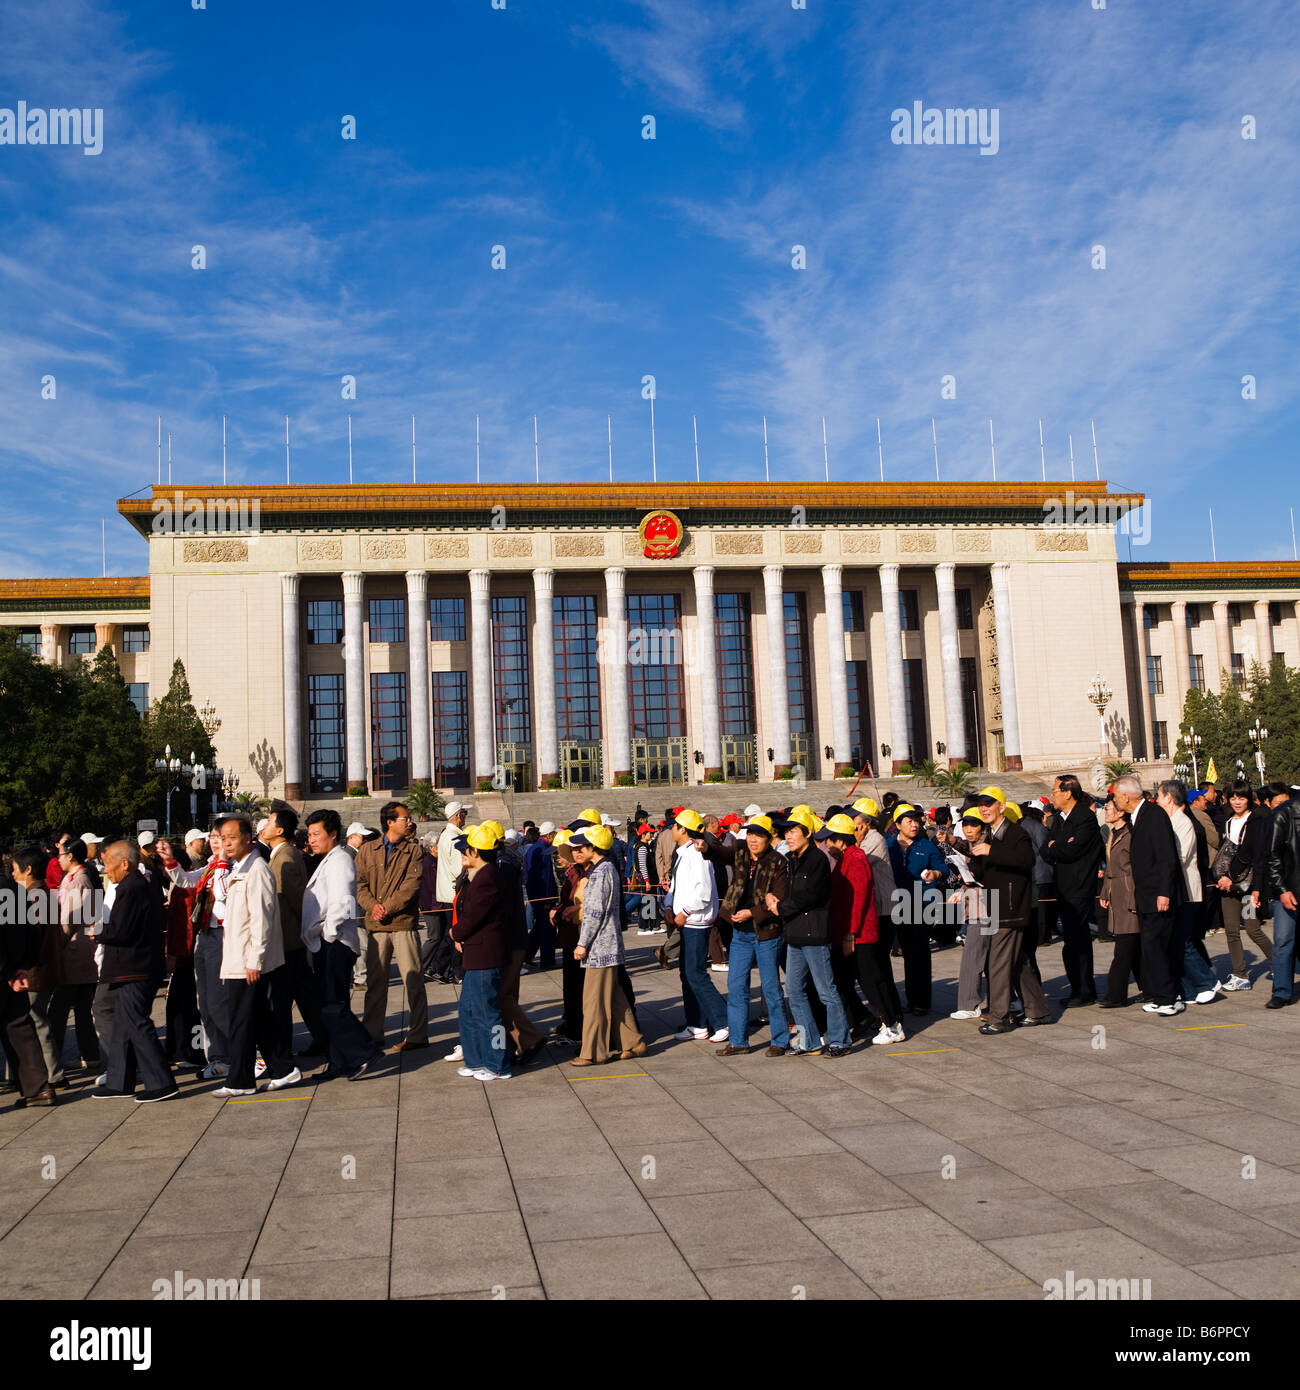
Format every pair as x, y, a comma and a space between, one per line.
245, 923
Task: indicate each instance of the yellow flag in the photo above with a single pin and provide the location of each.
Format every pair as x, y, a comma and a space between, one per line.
1211, 773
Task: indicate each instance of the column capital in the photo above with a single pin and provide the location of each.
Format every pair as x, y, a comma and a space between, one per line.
1001, 570
1179, 605
832, 576
289, 586
543, 581
1220, 607
615, 580
772, 574
946, 570
703, 576
354, 583
417, 582
889, 571
480, 583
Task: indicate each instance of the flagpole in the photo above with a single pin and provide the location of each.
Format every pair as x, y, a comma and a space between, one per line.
880, 449
349, 447
767, 471
1214, 553
1071, 439
160, 450
103, 549
1042, 450
1294, 556
609, 426
223, 451
169, 457
537, 453
412, 448
1096, 462
286, 448
476, 451
826, 458
993, 452
934, 439
654, 461
695, 430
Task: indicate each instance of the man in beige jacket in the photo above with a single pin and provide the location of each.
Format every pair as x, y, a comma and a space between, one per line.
252, 966
389, 872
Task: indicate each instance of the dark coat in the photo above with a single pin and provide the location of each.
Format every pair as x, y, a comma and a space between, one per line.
1154, 860
1284, 850
806, 908
133, 935
1117, 886
1006, 873
1074, 849
482, 920
769, 876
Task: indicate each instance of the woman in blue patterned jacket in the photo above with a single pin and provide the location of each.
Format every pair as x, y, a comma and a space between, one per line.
608, 1026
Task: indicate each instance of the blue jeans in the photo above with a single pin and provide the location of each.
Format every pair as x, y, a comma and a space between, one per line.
1283, 952
703, 1004
1196, 975
482, 1032
800, 962
746, 948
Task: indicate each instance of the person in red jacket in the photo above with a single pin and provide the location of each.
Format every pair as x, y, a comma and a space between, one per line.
855, 926
184, 1031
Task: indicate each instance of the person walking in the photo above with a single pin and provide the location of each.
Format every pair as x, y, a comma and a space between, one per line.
692, 901
479, 933
566, 922
77, 971
1189, 961
1074, 849
804, 910
757, 870
183, 1021
979, 929
23, 943
608, 1026
1233, 872
539, 885
1117, 897
288, 867
919, 871
389, 870
1283, 887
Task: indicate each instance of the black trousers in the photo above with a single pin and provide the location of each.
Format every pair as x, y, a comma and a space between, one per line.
305, 992
1076, 945
914, 938
260, 1020
573, 979
184, 1030
1126, 960
884, 959
1157, 930
104, 1011
846, 986
867, 961
136, 1054
347, 1042
21, 1045
79, 1001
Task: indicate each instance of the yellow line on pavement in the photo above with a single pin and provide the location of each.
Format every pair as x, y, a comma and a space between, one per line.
1201, 1027
929, 1052
617, 1076
263, 1100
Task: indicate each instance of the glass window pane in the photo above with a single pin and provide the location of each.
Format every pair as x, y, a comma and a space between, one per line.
733, 628
798, 669
325, 734
388, 620
577, 670
135, 639
451, 729
324, 622
446, 619
514, 721
388, 730
656, 686
81, 641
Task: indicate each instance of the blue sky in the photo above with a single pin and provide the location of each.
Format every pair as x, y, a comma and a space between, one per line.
626, 257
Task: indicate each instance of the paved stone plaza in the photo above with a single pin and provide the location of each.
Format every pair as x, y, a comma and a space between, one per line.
690, 1176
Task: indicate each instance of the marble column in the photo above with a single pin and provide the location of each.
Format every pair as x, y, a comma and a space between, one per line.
483, 692
706, 661
1223, 647
894, 667
1006, 666
289, 638
778, 685
841, 742
1146, 698
614, 659
354, 680
1182, 662
1263, 633
105, 633
50, 643
546, 737
420, 694
954, 715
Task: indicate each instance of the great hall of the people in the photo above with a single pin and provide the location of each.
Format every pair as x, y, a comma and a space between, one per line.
627, 634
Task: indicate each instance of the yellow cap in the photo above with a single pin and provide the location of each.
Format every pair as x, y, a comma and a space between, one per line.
867, 807
841, 826
760, 824
481, 837
590, 815
1013, 812
689, 820
595, 836
904, 809
996, 793
562, 837
803, 806
496, 828
803, 816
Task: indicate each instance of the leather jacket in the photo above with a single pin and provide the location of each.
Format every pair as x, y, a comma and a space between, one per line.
1284, 850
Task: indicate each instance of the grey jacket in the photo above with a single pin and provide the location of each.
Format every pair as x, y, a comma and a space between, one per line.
602, 917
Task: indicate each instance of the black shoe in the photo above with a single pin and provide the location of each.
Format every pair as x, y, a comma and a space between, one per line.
989, 1029
527, 1056
107, 1093
1027, 1022
917, 1012
1276, 1003
368, 1065
838, 1051
325, 1074
163, 1093
1113, 1004
1079, 1001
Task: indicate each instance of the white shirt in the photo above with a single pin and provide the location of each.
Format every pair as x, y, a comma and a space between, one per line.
449, 864
1186, 834
694, 890
329, 906
253, 939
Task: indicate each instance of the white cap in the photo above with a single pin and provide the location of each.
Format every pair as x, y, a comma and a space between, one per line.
192, 835
547, 827
611, 821
261, 825
356, 828
455, 806
752, 810
91, 839
511, 837
146, 837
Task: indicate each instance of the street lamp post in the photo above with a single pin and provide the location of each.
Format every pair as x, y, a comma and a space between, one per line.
1100, 695
172, 769
1193, 744
1257, 736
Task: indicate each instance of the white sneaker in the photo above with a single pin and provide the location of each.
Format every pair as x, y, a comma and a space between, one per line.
259, 1070
291, 1078
899, 1035
1165, 1010
457, 1054
700, 1034
1207, 996
483, 1074
720, 969
887, 1036
214, 1071
1235, 982
226, 1091
720, 1036
647, 931
965, 1013
466, 1071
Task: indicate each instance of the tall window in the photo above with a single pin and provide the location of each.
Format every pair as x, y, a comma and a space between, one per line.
325, 734
388, 730
798, 669
1275, 615
1160, 739
1193, 614
1149, 618
81, 641
855, 614
918, 742
29, 639
1197, 671
135, 639
858, 674
1155, 676
971, 709
514, 721
577, 671
656, 688
965, 612
139, 693
324, 622
446, 619
1238, 669
388, 620
1234, 614
451, 728
733, 626
909, 610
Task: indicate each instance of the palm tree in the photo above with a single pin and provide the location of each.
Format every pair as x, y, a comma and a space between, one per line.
924, 772
956, 781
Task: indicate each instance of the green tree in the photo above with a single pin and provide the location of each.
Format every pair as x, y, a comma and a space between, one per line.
34, 702
1275, 702
173, 721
